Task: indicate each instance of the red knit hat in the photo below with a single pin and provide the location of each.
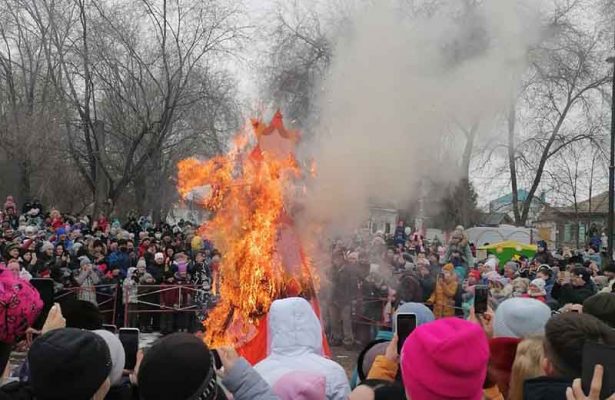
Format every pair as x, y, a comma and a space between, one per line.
445, 359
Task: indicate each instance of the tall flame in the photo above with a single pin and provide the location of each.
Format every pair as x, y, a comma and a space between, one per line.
248, 192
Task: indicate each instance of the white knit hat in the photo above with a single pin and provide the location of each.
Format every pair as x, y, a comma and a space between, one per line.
540, 284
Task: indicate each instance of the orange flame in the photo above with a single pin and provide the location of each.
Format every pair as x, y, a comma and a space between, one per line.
262, 258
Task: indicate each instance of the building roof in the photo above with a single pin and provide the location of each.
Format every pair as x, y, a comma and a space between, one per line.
496, 218
508, 198
599, 205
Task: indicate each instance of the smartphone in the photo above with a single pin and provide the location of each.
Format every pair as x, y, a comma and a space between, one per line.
217, 360
481, 297
130, 340
594, 353
404, 325
44, 286
110, 328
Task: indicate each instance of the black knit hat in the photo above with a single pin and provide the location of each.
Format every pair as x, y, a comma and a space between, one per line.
601, 306
68, 363
179, 367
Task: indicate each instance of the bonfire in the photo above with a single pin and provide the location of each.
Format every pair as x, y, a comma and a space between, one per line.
251, 192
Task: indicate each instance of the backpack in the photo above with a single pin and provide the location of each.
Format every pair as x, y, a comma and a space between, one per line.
20, 305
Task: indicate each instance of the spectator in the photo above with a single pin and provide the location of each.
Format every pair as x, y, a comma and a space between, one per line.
609, 272
345, 280
601, 306
546, 274
443, 297
15, 268
119, 388
537, 290
520, 287
295, 337
543, 256
300, 386
573, 289
520, 317
445, 359
82, 314
527, 365
565, 335
87, 279
69, 364
168, 372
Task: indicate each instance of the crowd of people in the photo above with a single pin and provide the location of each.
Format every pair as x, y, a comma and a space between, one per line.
529, 343
372, 275
118, 265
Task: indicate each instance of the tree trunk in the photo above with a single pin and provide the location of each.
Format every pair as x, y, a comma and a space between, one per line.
467, 151
140, 187
25, 180
512, 164
101, 186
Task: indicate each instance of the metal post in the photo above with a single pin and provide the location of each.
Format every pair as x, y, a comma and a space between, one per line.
611, 169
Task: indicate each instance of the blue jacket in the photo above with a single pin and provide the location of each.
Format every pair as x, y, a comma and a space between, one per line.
119, 260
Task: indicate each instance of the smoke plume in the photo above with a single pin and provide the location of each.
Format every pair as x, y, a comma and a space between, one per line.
399, 89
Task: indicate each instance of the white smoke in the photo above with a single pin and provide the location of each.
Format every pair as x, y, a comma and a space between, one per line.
398, 90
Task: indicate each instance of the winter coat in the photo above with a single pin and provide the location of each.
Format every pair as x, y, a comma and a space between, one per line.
545, 388
568, 294
295, 337
119, 260
383, 369
443, 299
246, 384
87, 280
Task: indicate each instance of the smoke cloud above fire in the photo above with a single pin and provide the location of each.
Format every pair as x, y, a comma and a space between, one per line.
398, 90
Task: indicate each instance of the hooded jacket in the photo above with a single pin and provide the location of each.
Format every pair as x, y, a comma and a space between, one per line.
295, 344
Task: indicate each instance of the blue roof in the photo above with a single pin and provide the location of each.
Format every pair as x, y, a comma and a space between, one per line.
522, 195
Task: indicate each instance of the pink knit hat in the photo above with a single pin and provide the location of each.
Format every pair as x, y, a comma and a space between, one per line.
299, 385
445, 359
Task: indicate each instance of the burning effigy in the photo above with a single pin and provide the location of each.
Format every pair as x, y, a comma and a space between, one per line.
251, 192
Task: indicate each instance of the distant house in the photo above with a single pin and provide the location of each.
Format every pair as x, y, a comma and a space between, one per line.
504, 205
382, 219
567, 226
495, 219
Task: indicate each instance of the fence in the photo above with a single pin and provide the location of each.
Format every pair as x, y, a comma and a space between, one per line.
181, 297
106, 295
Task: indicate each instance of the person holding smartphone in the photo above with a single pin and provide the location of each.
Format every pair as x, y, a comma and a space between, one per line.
443, 297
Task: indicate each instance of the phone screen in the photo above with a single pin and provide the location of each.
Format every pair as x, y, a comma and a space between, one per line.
481, 296
405, 325
130, 340
594, 353
45, 290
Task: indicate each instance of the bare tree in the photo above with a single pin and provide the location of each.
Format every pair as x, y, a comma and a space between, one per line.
128, 73
557, 105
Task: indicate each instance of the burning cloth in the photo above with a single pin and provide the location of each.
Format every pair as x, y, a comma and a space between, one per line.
249, 193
